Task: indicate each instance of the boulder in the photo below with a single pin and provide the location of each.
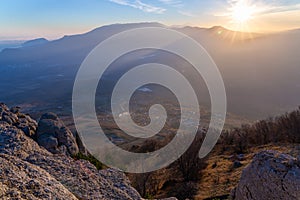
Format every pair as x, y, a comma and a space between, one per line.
53, 135
270, 176
28, 171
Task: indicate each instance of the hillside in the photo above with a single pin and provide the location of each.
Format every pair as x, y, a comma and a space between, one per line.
39, 41
257, 83
46, 160
219, 173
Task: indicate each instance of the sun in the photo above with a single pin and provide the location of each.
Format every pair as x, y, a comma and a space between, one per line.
242, 12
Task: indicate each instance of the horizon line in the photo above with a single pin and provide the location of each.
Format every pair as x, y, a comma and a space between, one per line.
19, 38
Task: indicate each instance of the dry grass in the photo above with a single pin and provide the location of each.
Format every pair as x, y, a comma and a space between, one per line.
219, 177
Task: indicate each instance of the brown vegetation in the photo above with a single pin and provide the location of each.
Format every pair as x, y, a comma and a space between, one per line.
278, 130
215, 176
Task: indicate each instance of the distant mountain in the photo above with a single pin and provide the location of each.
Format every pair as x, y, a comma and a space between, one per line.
69, 49
13, 44
35, 42
261, 72
4, 44
221, 33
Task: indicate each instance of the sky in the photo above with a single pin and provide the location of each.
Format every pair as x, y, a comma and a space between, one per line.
27, 19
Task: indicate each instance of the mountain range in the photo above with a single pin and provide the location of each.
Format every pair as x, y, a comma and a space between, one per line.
260, 71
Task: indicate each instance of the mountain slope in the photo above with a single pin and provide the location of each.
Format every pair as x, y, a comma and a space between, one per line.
38, 41
261, 72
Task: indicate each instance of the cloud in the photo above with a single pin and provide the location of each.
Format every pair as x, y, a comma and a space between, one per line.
279, 9
174, 3
138, 4
187, 13
260, 7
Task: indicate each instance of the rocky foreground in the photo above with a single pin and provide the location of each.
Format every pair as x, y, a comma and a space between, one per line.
36, 163
30, 171
271, 175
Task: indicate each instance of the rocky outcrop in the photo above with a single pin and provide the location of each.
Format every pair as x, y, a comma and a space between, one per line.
22, 180
270, 176
53, 135
17, 119
28, 171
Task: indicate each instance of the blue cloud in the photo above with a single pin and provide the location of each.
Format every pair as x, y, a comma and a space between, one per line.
140, 5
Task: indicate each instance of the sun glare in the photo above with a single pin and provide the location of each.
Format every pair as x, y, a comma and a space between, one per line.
242, 12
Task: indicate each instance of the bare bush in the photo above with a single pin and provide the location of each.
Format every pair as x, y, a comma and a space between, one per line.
282, 129
189, 164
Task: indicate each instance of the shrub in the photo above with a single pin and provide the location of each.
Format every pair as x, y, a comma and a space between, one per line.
91, 159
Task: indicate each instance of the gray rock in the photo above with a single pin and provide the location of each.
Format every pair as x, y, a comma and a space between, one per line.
3, 107
49, 142
27, 125
49, 116
14, 142
22, 180
10, 117
28, 171
270, 176
15, 110
52, 134
19, 120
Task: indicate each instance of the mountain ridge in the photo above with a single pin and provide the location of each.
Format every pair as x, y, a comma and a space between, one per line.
133, 25
34, 42
248, 75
